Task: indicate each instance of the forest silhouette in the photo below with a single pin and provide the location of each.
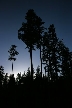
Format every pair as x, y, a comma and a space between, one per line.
49, 89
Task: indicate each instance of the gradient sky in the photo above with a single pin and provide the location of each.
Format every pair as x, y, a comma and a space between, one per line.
12, 14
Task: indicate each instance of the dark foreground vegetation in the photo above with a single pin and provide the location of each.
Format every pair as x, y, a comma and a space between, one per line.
22, 92
49, 89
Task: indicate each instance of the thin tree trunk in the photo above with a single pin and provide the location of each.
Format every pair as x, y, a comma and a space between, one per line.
48, 73
31, 63
50, 69
41, 61
12, 66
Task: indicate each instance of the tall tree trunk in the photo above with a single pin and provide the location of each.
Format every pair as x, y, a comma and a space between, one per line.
31, 63
12, 66
41, 61
48, 73
50, 69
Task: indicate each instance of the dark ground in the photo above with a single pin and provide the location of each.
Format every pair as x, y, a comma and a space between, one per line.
51, 96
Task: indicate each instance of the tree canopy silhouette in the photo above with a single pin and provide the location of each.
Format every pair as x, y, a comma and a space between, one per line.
1, 75
31, 32
12, 51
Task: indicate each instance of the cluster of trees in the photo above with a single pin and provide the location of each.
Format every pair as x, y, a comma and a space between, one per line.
54, 55
25, 78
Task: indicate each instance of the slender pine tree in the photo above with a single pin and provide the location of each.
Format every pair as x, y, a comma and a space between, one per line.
13, 52
31, 32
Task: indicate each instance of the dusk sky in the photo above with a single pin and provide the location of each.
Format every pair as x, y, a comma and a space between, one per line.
12, 14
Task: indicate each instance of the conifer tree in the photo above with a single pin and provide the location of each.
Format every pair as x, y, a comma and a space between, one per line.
11, 82
50, 52
46, 54
54, 48
70, 63
5, 81
12, 51
18, 78
38, 73
30, 32
1, 75
65, 59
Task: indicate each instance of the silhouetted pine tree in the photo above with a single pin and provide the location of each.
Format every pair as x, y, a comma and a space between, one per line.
60, 51
39, 46
54, 49
5, 81
64, 58
18, 79
12, 51
70, 63
23, 78
65, 63
11, 81
46, 54
38, 73
31, 32
28, 74
50, 53
1, 75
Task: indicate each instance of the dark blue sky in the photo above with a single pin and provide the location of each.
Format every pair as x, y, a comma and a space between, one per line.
12, 14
